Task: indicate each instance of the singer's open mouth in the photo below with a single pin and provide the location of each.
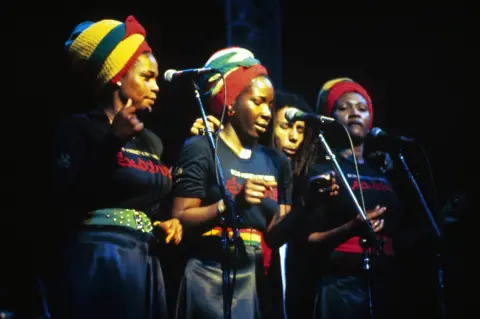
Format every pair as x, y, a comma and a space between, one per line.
260, 128
355, 123
290, 151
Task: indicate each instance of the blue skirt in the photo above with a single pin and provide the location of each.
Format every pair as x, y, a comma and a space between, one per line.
107, 272
201, 291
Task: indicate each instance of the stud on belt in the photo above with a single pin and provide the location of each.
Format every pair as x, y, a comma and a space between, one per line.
120, 217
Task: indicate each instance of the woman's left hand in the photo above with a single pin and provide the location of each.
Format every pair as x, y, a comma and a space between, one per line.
173, 229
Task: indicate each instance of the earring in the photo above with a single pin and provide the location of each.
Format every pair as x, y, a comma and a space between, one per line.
230, 111
119, 83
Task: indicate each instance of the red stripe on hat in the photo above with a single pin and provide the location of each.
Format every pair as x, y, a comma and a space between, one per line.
236, 83
343, 87
132, 27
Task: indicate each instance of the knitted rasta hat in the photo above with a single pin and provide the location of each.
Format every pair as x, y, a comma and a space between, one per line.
106, 49
332, 90
239, 68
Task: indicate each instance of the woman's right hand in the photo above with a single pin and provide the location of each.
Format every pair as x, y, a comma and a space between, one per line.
199, 129
125, 124
374, 217
324, 184
255, 189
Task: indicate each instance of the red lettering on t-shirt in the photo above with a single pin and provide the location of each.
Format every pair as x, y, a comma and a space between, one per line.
142, 165
233, 187
376, 185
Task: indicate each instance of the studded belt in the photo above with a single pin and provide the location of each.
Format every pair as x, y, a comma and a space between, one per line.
120, 217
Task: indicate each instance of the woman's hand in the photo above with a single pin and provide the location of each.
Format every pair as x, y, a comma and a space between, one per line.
172, 228
199, 129
374, 216
325, 184
255, 189
125, 124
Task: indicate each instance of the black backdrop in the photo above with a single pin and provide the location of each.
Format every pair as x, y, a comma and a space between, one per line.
411, 57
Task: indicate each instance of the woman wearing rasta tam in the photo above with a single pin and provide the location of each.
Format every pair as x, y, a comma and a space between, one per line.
259, 178
108, 181
333, 227
298, 141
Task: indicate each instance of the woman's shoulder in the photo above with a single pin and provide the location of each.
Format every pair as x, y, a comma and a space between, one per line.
197, 142
195, 146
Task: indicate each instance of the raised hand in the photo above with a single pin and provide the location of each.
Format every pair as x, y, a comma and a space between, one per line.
374, 216
198, 127
325, 184
125, 124
255, 189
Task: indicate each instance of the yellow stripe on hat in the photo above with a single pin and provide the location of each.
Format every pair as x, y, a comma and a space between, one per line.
218, 86
119, 57
86, 42
331, 83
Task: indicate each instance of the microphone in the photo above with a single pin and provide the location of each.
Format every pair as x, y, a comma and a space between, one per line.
293, 114
380, 134
171, 74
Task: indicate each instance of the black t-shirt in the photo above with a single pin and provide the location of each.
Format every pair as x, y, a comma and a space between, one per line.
93, 169
195, 177
327, 212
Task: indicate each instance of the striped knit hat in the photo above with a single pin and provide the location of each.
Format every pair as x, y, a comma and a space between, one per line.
332, 90
239, 68
106, 49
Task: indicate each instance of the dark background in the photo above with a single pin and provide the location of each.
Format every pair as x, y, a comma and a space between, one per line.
411, 57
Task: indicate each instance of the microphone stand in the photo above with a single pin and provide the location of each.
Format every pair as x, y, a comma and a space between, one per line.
230, 218
370, 240
438, 234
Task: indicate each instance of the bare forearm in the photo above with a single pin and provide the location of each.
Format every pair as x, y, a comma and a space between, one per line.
334, 236
197, 216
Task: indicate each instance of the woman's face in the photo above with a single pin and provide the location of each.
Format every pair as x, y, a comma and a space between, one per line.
253, 107
288, 136
140, 82
351, 110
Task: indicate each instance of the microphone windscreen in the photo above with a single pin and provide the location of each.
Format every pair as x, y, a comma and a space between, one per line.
376, 131
290, 113
168, 75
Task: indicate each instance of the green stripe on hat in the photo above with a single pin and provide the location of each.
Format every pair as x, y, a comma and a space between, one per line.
106, 46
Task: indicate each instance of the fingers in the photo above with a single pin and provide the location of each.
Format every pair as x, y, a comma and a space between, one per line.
214, 123
378, 225
136, 124
377, 212
128, 104
170, 234
333, 188
261, 182
198, 127
173, 230
179, 234
255, 189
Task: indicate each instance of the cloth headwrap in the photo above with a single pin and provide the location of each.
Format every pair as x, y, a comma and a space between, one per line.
239, 67
106, 49
332, 90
